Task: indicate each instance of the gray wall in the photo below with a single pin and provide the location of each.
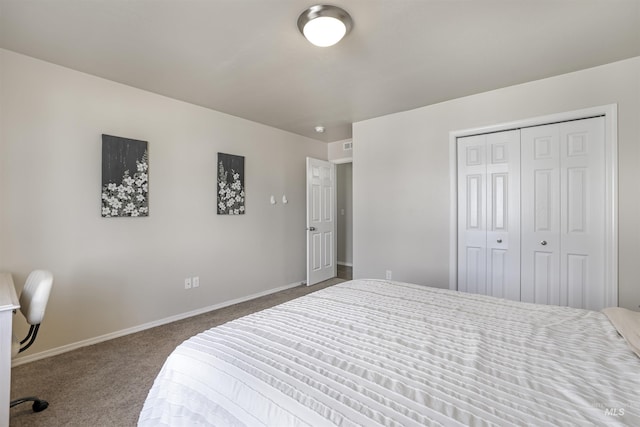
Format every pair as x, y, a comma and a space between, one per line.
337, 153
401, 172
119, 273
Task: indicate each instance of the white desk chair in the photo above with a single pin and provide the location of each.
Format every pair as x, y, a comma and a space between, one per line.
33, 302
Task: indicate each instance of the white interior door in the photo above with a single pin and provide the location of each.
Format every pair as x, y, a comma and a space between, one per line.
489, 214
583, 229
472, 212
321, 223
541, 214
563, 214
503, 214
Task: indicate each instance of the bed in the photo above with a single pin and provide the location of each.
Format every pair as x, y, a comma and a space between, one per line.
373, 352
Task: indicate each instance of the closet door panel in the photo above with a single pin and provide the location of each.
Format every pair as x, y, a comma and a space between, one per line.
498, 255
577, 282
503, 214
563, 214
540, 216
488, 214
582, 171
473, 275
545, 270
498, 280
472, 230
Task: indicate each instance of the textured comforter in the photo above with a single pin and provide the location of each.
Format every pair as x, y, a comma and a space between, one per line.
369, 352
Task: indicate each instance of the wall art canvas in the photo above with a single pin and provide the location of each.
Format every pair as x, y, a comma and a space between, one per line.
230, 184
125, 177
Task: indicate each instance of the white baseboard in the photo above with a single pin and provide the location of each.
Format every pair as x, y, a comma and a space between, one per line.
84, 343
346, 264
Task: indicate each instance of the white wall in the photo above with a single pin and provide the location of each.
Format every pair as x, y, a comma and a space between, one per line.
401, 172
118, 273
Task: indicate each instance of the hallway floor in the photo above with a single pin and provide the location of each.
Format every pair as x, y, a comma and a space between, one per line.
345, 272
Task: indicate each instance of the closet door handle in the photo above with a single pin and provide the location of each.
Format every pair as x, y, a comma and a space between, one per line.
543, 243
499, 240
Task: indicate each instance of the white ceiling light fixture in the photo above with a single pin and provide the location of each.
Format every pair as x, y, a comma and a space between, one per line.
324, 25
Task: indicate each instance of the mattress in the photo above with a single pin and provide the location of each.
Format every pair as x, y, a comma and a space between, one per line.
372, 352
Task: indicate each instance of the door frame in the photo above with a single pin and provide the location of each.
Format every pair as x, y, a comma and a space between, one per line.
610, 113
342, 161
336, 162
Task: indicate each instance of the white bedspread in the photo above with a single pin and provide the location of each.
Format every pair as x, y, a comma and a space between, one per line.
368, 352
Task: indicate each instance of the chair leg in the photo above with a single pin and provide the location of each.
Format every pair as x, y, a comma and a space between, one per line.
39, 405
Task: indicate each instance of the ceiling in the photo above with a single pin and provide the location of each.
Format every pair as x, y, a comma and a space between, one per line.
247, 58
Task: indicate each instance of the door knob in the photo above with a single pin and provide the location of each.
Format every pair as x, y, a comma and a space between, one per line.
499, 240
543, 243
311, 228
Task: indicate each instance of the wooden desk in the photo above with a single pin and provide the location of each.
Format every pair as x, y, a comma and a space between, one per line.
8, 303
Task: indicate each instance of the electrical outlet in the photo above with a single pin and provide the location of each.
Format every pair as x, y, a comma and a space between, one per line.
195, 281
187, 283
388, 274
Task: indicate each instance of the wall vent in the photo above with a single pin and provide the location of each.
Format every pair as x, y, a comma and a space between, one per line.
347, 146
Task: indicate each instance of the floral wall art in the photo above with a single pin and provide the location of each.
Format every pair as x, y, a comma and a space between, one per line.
230, 184
125, 177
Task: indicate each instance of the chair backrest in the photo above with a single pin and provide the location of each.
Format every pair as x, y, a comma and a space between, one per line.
35, 295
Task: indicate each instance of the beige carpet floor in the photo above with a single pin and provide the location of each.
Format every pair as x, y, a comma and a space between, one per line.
106, 384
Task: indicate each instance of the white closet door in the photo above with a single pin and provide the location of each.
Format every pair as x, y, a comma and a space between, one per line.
489, 214
503, 214
540, 271
582, 243
472, 230
563, 223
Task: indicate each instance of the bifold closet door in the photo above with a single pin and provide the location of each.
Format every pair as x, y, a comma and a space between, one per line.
563, 214
489, 214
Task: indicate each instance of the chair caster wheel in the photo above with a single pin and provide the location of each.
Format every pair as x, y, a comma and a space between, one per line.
39, 405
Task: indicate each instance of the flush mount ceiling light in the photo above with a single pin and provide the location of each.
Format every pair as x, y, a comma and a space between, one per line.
324, 25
